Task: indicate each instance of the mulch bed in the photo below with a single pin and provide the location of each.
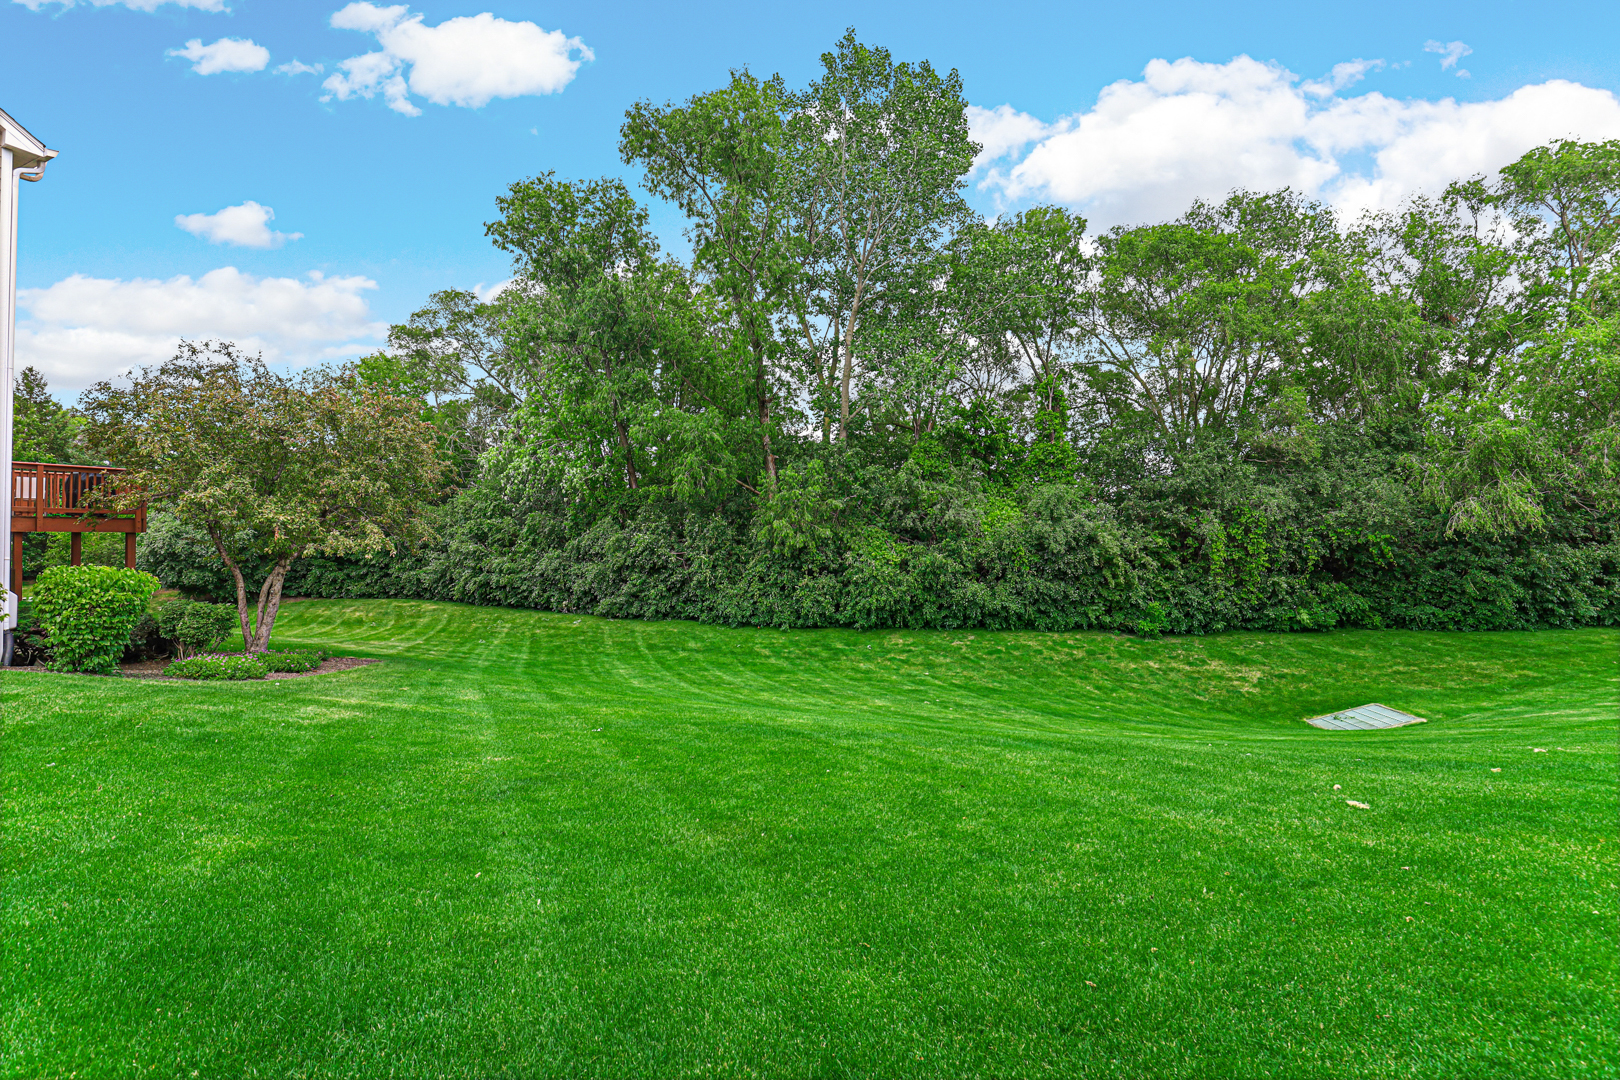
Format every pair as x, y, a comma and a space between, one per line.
336, 663
153, 669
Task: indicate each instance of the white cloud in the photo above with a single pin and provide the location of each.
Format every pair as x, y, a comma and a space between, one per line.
463, 61
1450, 52
296, 67
1003, 130
226, 54
82, 329
247, 225
137, 5
1346, 74
1191, 130
487, 293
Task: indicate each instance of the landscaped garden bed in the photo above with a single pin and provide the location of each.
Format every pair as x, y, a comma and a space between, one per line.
158, 669
165, 638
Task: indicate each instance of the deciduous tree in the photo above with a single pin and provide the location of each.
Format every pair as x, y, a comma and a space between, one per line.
317, 463
879, 153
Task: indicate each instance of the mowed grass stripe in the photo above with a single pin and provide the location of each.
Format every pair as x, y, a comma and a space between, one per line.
791, 854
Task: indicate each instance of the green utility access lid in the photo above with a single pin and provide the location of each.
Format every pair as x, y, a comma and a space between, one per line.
1365, 718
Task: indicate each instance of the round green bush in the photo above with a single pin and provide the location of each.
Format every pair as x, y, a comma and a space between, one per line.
89, 611
204, 626
196, 627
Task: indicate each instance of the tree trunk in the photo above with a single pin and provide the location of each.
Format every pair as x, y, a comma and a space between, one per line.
241, 587
843, 393
270, 604
629, 456
849, 362
258, 612
765, 430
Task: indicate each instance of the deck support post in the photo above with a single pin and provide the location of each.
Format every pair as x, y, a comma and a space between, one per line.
16, 562
129, 551
76, 550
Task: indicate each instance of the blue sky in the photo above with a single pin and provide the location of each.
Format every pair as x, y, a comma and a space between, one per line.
1125, 112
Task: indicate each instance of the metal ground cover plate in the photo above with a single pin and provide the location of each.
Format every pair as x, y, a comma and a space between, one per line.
1365, 718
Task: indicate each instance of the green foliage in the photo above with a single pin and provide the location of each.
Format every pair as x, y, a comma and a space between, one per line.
1295, 546
1154, 621
878, 152
204, 626
183, 557
859, 405
168, 616
195, 627
95, 549
320, 462
88, 613
43, 429
146, 641
230, 668
802, 516
451, 356
1545, 430
31, 644
295, 661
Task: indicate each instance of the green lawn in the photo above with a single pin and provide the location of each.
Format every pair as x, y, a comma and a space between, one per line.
535, 845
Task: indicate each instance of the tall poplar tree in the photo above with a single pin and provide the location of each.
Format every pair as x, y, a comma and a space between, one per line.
880, 154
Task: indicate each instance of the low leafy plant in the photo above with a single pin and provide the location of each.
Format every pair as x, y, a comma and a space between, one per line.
214, 666
295, 661
31, 643
88, 613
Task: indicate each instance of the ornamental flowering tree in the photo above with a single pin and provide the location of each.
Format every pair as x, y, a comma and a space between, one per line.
316, 463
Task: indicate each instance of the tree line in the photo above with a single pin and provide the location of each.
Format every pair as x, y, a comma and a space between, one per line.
841, 294
858, 402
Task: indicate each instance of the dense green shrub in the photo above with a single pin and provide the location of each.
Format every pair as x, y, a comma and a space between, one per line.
169, 614
204, 626
88, 613
146, 640
213, 666
1221, 545
194, 626
1046, 557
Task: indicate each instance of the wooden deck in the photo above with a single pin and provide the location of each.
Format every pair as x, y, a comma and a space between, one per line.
60, 498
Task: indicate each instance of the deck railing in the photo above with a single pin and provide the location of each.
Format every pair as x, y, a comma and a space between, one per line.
63, 498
